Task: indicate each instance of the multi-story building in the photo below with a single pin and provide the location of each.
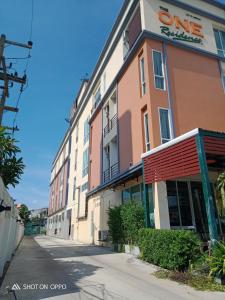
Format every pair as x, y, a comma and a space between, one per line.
59, 216
160, 77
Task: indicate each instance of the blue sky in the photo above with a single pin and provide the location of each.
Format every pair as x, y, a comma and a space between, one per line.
68, 36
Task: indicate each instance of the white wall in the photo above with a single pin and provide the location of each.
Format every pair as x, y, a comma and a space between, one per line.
11, 231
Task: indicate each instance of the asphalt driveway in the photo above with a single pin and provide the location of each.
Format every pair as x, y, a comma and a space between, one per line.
50, 268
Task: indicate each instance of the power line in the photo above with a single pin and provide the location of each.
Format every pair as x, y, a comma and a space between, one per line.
22, 89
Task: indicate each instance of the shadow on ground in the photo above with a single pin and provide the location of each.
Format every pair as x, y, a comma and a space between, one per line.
34, 269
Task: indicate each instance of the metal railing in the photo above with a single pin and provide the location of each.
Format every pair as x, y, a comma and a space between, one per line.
111, 172
111, 123
114, 170
106, 175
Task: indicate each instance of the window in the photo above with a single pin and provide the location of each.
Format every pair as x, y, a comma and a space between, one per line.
75, 161
134, 193
158, 69
142, 73
97, 97
104, 82
77, 131
85, 163
61, 188
223, 77
146, 128
74, 187
220, 42
164, 125
179, 204
84, 187
223, 74
86, 131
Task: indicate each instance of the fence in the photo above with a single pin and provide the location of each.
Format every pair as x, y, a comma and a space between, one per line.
11, 228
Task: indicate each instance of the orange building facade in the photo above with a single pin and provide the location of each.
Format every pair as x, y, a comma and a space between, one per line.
166, 90
155, 105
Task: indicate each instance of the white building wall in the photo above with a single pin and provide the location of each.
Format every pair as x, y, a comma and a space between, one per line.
206, 7
11, 231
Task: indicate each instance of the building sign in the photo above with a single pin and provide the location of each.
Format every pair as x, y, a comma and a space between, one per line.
180, 29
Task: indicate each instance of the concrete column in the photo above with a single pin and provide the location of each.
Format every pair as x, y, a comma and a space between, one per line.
161, 211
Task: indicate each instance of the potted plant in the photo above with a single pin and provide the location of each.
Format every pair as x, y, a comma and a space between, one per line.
217, 263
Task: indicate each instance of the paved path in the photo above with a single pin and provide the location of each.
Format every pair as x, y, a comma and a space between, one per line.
50, 268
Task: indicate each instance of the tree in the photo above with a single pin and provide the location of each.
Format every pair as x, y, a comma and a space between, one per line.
24, 213
11, 167
220, 187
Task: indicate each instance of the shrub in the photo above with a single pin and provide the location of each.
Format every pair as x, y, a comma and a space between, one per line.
170, 249
115, 225
132, 215
217, 260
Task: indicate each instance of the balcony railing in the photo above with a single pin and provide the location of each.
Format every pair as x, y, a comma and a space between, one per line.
114, 170
111, 172
112, 123
106, 175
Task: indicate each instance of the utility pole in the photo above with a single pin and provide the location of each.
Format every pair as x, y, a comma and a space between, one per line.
9, 77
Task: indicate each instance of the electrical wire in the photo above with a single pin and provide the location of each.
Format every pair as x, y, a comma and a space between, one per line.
22, 89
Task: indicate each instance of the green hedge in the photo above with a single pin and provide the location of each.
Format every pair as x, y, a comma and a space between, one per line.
132, 215
170, 249
124, 222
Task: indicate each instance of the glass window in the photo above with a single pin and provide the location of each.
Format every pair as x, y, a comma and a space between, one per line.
147, 139
84, 187
223, 77
142, 73
75, 161
179, 204
97, 97
164, 125
85, 163
173, 203
184, 203
77, 131
158, 69
86, 131
134, 193
74, 187
126, 196
220, 42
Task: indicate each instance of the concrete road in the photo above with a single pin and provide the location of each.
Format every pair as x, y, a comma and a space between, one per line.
50, 268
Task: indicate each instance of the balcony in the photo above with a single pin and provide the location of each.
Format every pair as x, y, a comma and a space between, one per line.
111, 172
111, 124
110, 130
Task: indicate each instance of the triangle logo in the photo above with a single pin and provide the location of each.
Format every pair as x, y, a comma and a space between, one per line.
16, 287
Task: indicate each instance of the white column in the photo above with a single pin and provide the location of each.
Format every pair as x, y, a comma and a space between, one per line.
161, 211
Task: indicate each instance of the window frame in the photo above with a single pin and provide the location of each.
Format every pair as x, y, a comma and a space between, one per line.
222, 49
75, 159
98, 89
163, 70
142, 75
222, 73
86, 131
169, 122
85, 167
74, 187
146, 130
